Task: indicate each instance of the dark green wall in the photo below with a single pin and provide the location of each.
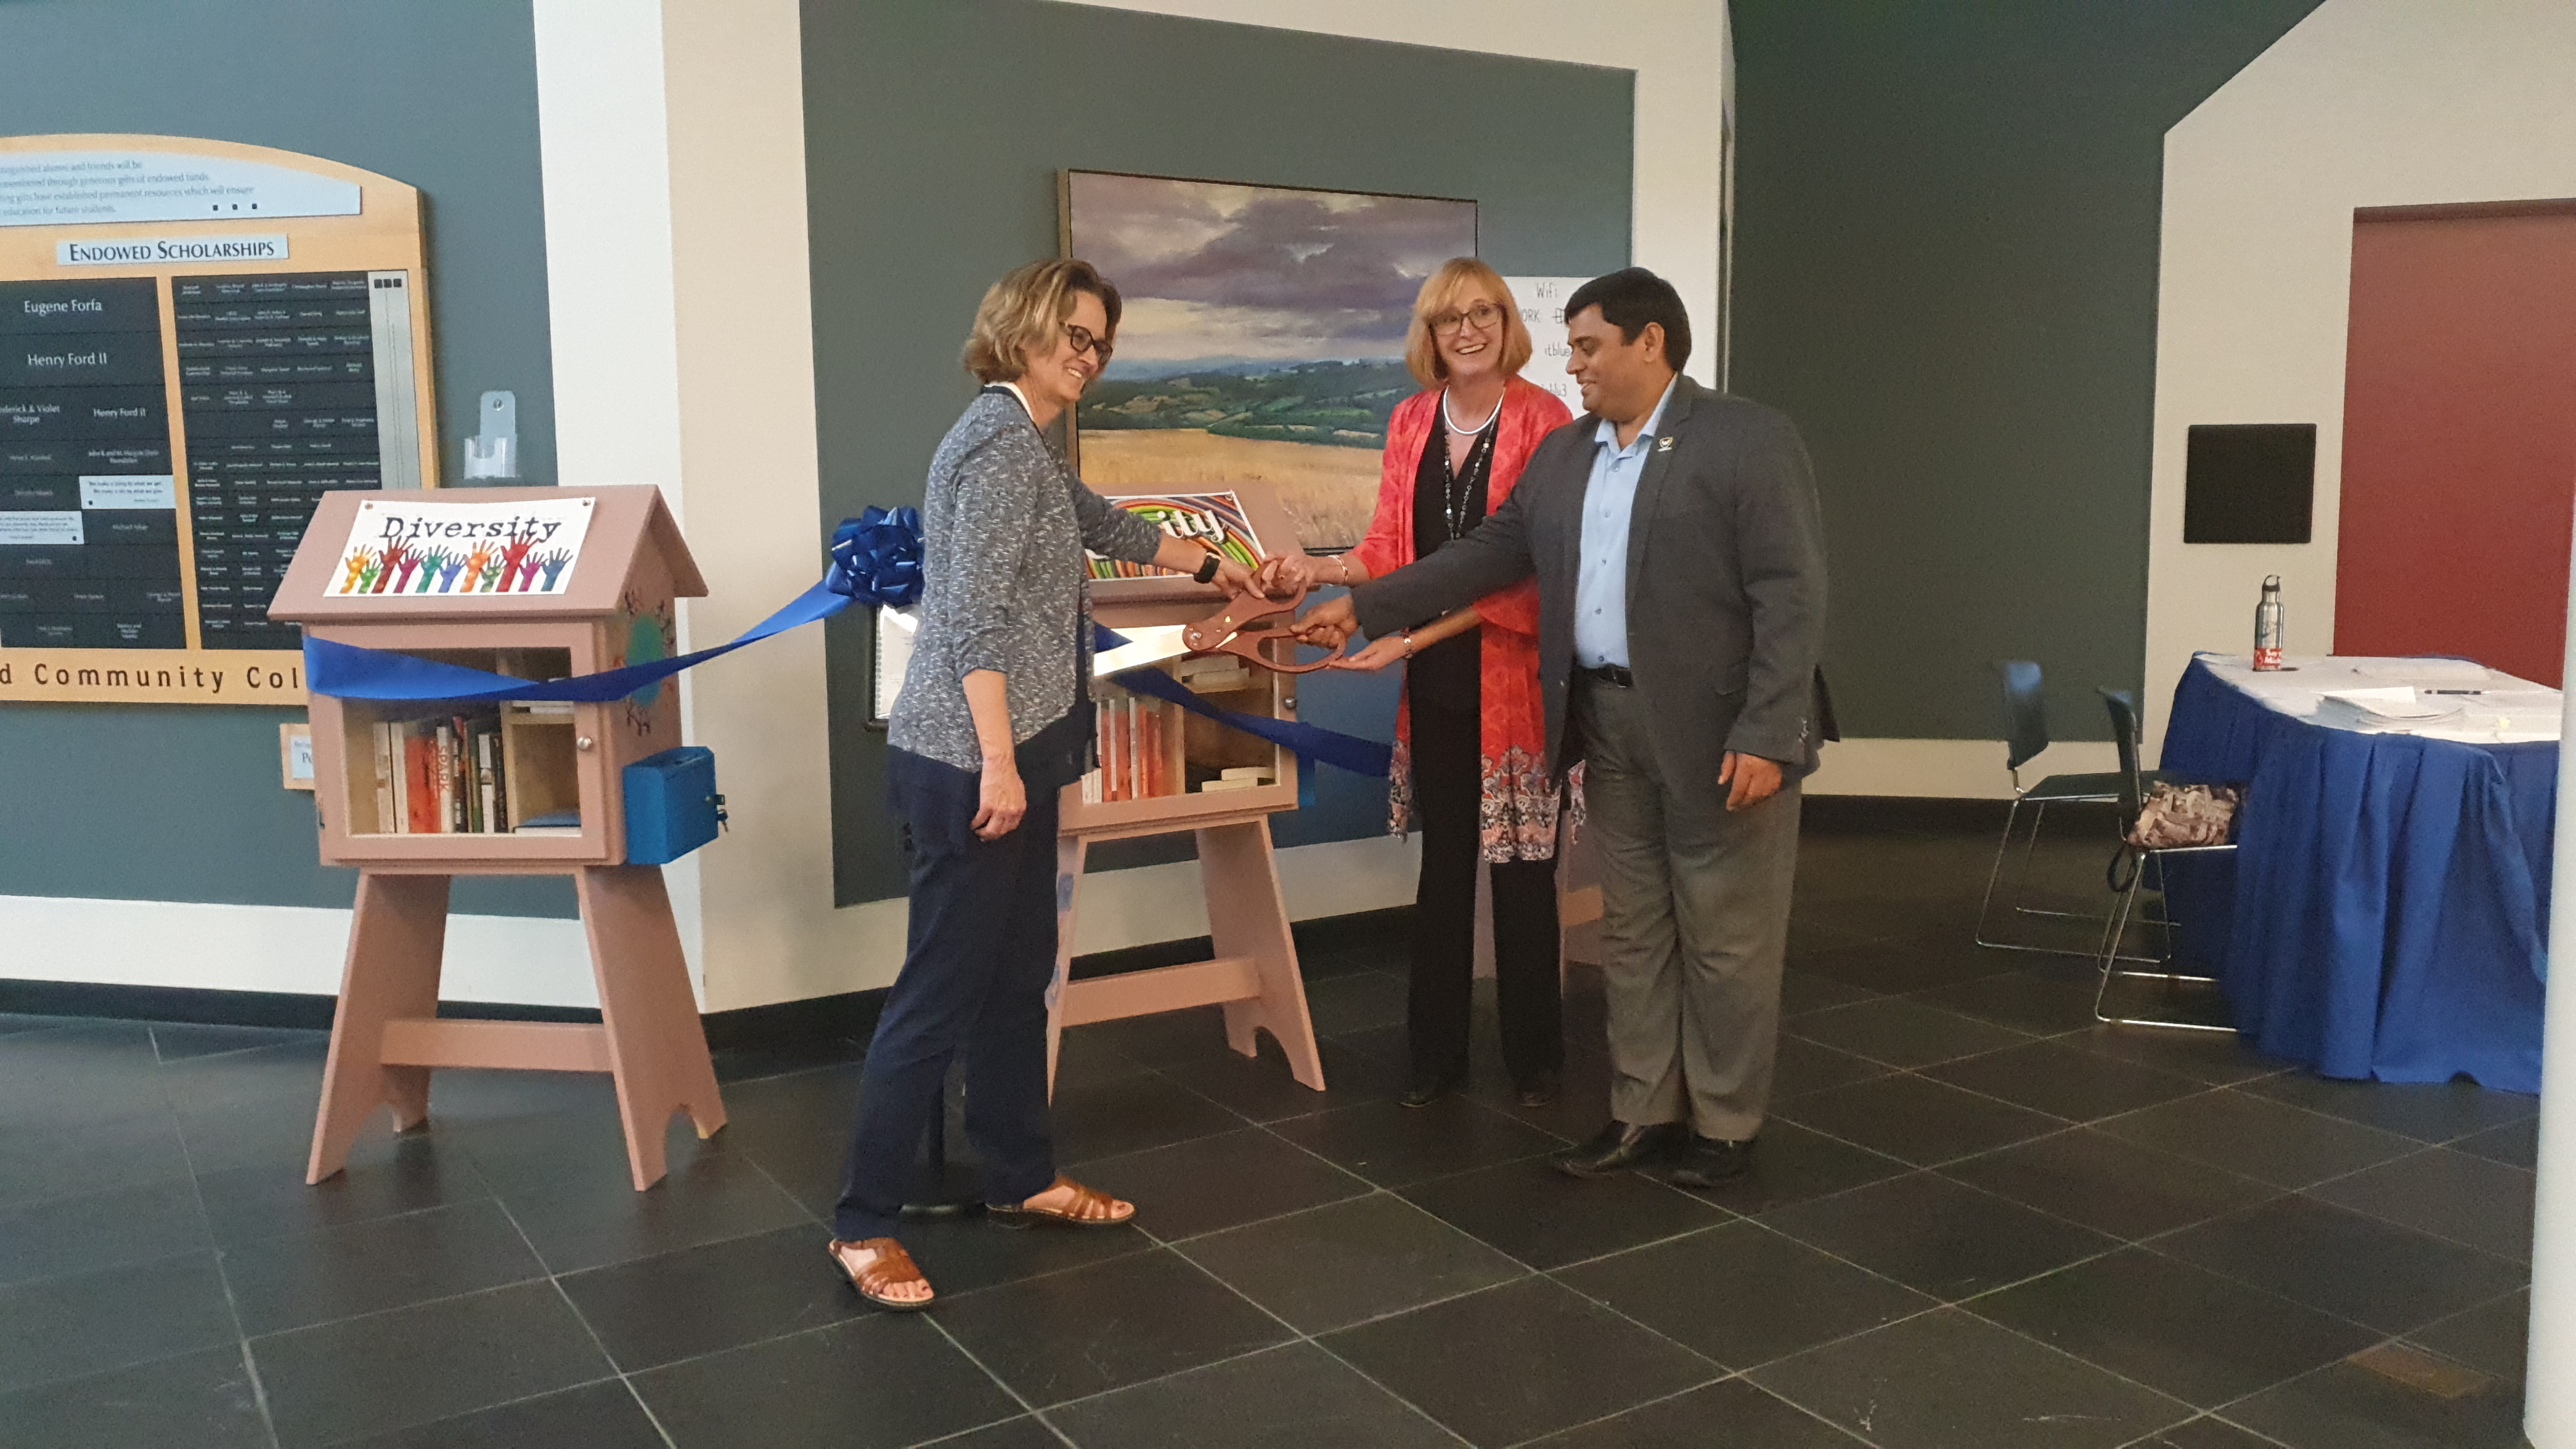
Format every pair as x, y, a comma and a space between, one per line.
1945, 271
183, 803
933, 137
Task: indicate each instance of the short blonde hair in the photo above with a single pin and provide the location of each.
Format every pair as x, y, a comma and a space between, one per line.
1021, 312
1439, 293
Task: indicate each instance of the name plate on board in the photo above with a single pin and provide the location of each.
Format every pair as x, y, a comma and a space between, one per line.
470, 550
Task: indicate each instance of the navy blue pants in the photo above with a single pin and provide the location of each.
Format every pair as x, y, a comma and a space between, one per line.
980, 954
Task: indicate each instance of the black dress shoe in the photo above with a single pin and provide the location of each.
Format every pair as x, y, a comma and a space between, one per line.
1619, 1147
1710, 1161
1428, 1088
1539, 1088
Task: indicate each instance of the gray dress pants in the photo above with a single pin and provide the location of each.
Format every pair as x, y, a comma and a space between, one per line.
1695, 922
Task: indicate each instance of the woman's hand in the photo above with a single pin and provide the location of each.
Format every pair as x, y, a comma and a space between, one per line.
1000, 801
1283, 574
1232, 577
1393, 649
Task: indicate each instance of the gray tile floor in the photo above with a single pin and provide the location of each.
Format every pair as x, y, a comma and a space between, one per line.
1978, 1221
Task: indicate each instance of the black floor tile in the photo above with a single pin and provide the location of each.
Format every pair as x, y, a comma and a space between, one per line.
1547, 1219
1792, 1165
292, 1282
2218, 1058
1262, 1089
1729, 1415
66, 1328
2390, 1278
594, 1221
603, 1415
184, 1041
1071, 1335
53, 1159
736, 1292
742, 1065
2432, 1112
2063, 1081
1805, 991
2348, 1406
2208, 1433
2493, 1338
1903, 1032
875, 1383
1742, 1294
1949, 1380
1355, 1001
1396, 1146
385, 1177
1917, 1119
1519, 1361
968, 1254
2043, 999
1024, 1432
2517, 1143
202, 1400
1130, 1114
1805, 1068
78, 1076
1225, 1181
1338, 1265
432, 1361
2259, 1138
1940, 956
1290, 1397
2173, 1327
2448, 1194
57, 1237
1937, 1236
2104, 1183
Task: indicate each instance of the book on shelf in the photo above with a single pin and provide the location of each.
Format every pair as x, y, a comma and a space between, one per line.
380, 735
440, 777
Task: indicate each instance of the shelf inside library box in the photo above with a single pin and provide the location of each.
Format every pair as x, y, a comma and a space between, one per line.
463, 768
1156, 760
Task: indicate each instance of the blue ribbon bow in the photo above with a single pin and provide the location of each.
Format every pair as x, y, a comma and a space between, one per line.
876, 557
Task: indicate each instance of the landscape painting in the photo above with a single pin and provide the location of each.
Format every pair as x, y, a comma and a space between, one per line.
1263, 338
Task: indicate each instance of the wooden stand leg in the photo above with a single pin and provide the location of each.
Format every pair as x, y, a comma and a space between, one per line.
1070, 851
396, 941
1248, 917
657, 1047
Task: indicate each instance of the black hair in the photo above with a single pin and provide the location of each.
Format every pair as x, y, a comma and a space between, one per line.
1629, 299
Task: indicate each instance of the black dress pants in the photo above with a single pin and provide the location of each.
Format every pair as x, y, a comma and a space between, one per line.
1448, 794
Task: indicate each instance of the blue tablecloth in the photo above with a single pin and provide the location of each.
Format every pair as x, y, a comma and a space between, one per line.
2390, 899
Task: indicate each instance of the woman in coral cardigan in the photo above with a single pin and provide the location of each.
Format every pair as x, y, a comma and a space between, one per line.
1470, 751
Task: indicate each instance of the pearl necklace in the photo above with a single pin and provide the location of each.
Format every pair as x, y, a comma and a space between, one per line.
1446, 417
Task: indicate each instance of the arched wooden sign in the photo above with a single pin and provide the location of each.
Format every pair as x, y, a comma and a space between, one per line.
197, 341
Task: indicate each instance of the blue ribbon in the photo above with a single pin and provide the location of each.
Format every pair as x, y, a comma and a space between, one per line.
1313, 742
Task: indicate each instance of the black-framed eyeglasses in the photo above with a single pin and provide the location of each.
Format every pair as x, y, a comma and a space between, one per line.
1085, 340
1483, 314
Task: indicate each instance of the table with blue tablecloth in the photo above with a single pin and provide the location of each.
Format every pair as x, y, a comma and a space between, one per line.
2387, 911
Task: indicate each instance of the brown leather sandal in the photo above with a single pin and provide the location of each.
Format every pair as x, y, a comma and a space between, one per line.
1090, 1208
890, 1266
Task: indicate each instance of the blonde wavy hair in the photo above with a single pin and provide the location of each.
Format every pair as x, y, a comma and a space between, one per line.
1022, 312
1439, 293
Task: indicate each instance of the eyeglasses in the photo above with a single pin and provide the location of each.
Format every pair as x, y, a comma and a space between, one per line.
1085, 340
1483, 314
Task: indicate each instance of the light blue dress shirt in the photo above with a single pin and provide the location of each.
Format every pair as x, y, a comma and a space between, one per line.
1601, 579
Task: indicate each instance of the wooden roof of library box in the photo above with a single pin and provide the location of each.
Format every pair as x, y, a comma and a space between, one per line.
625, 519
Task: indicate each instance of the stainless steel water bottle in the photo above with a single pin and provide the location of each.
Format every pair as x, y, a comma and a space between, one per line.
2267, 625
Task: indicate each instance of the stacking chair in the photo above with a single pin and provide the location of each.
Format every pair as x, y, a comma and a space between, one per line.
2025, 735
2141, 861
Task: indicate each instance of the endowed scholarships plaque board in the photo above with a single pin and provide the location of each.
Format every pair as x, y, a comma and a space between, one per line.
197, 341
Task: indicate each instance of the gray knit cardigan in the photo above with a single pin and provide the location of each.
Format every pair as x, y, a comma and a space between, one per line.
1004, 523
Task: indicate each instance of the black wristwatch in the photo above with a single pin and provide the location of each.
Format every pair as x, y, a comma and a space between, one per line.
1207, 570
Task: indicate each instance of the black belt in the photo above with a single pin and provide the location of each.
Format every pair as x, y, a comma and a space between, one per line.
1617, 674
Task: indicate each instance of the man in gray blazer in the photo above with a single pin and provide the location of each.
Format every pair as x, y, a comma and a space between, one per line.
1681, 572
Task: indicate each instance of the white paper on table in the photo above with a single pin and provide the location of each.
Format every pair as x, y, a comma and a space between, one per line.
2460, 673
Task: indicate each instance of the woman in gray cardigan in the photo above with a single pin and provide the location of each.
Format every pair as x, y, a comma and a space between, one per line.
992, 721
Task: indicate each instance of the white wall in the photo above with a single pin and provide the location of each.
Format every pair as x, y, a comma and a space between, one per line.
2365, 103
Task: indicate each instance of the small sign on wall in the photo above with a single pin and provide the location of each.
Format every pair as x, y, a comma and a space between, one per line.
1542, 302
295, 755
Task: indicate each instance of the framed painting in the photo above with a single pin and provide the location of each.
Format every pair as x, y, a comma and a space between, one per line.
1263, 335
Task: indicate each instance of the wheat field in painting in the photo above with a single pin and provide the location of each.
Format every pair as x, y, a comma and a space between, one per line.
1327, 492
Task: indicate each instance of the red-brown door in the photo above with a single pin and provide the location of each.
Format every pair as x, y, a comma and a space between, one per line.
2459, 440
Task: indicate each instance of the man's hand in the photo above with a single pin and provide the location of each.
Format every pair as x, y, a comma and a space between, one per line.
1283, 574
1379, 654
1328, 624
1755, 779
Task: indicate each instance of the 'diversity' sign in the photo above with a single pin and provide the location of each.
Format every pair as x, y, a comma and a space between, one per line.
417, 546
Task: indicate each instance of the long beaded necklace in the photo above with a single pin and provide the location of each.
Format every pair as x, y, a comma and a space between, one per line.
1458, 485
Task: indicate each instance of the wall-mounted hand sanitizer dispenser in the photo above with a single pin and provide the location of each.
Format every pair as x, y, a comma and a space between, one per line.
494, 452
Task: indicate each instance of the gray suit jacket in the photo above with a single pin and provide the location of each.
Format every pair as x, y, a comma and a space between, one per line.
1726, 584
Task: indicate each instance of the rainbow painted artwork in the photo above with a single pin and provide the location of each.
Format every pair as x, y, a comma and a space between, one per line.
1214, 519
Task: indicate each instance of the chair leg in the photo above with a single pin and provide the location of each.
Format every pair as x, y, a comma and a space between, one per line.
2110, 958
2021, 881
2003, 847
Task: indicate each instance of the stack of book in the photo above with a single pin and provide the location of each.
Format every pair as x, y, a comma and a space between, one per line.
441, 776
1138, 749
